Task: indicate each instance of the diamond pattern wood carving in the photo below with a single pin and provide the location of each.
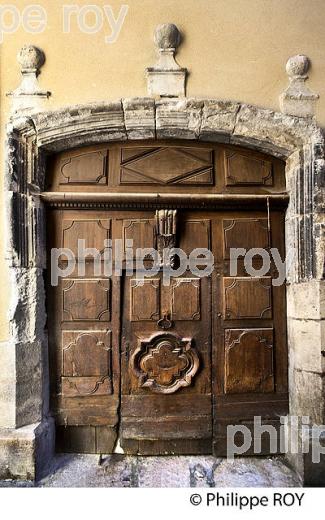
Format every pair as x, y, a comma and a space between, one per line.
166, 166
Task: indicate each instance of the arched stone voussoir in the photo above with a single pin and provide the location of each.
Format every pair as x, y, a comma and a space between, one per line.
170, 118
274, 131
78, 125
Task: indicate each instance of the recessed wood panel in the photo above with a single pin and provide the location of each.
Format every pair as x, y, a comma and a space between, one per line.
245, 233
86, 168
140, 234
247, 297
243, 169
93, 231
86, 300
145, 297
170, 165
249, 361
86, 386
185, 299
194, 234
86, 353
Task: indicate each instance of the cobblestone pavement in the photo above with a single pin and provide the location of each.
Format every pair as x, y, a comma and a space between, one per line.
184, 471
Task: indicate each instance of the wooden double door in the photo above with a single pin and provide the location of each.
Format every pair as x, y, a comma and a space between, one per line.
156, 367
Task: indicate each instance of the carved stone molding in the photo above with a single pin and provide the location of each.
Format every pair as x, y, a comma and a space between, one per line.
165, 363
29, 94
166, 78
298, 99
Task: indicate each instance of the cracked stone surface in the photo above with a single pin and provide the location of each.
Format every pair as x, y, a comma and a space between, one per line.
165, 472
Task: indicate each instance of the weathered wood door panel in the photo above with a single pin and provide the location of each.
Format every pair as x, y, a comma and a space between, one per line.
137, 358
84, 330
165, 368
249, 350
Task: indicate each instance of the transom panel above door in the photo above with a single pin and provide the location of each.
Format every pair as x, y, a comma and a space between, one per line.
166, 167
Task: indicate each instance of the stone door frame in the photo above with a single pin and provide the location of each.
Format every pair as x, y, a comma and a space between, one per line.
26, 428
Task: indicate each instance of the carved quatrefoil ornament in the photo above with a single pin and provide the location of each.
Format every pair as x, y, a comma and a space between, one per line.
165, 363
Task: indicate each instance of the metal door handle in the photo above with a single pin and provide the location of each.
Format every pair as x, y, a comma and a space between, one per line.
165, 322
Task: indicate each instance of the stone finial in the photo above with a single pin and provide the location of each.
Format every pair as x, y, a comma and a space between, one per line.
166, 78
167, 36
29, 94
298, 99
31, 59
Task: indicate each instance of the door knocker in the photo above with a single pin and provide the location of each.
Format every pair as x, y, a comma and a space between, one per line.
165, 322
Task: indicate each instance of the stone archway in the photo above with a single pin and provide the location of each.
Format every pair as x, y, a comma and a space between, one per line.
27, 430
